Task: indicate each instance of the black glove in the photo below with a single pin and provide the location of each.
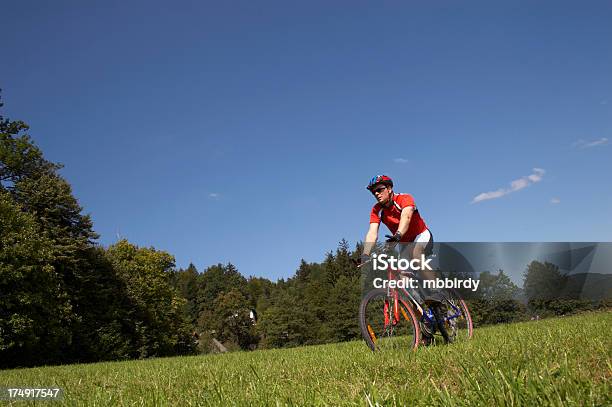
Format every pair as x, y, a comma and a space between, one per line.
395, 238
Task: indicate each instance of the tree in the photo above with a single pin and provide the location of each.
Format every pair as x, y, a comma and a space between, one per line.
550, 292
94, 303
215, 280
542, 281
287, 323
186, 282
497, 286
259, 291
36, 187
19, 157
160, 328
495, 301
342, 310
233, 323
35, 311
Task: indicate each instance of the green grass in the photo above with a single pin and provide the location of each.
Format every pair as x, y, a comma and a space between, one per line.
562, 361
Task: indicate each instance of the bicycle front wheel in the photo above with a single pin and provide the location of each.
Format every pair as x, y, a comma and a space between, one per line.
381, 329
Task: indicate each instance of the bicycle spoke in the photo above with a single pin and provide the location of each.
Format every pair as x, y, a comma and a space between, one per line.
396, 333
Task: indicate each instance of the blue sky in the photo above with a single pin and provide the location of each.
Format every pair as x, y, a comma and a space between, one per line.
247, 130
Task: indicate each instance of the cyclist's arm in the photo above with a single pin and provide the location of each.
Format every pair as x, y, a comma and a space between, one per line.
370, 239
405, 219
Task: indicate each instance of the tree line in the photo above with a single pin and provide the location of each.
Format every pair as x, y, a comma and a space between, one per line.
65, 299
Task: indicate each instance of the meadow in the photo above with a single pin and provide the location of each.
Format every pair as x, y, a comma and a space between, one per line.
560, 361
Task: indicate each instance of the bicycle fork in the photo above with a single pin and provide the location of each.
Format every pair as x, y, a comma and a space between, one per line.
392, 318
391, 309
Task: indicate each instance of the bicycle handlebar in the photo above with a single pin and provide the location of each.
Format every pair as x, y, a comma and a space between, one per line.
385, 247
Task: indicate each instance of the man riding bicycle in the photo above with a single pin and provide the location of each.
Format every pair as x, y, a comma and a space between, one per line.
400, 214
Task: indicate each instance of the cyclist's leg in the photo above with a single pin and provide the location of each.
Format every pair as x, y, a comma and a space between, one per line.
423, 245
439, 314
433, 297
406, 251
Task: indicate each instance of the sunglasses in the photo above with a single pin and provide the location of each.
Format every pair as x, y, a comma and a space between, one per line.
378, 190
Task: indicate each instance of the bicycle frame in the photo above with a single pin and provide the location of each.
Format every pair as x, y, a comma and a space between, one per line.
396, 293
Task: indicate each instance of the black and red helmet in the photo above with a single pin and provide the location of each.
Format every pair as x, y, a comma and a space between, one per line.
380, 179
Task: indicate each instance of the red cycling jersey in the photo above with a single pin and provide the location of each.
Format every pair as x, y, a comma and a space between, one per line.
390, 216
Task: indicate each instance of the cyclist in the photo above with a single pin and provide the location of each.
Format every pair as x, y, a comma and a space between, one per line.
400, 214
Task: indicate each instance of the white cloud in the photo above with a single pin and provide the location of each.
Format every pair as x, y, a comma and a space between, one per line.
489, 195
519, 184
214, 195
587, 144
516, 185
599, 142
555, 201
400, 160
537, 175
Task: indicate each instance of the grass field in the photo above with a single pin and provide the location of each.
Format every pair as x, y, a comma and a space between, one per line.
562, 361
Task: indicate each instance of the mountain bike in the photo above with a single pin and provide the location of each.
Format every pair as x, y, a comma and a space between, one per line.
396, 318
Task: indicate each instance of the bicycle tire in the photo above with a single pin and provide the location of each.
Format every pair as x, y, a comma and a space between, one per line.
460, 327
405, 333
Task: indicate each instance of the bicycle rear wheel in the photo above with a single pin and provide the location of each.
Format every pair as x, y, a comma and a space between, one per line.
380, 329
